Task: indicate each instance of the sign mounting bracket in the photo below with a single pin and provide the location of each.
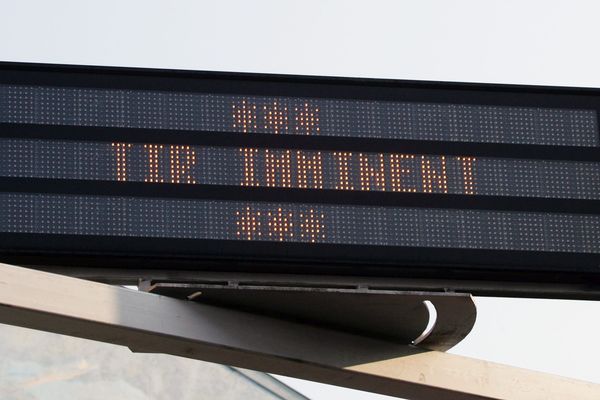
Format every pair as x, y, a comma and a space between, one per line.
399, 316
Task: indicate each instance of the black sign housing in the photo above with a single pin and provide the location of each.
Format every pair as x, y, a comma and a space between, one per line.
204, 171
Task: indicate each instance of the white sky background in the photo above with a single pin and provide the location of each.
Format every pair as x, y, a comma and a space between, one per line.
530, 42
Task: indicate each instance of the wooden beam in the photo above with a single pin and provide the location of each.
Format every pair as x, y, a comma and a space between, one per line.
150, 323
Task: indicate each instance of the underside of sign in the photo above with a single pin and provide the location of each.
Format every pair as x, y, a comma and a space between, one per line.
436, 321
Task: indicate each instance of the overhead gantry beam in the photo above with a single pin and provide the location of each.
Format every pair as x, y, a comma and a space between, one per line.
151, 323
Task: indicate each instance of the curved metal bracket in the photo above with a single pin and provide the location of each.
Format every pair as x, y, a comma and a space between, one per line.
399, 316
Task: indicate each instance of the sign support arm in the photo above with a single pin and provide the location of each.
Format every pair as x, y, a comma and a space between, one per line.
151, 323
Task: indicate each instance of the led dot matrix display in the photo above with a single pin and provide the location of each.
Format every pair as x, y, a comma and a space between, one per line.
47, 105
464, 175
300, 169
298, 222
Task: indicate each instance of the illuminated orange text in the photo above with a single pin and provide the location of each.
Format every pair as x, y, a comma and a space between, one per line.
121, 155
275, 117
280, 224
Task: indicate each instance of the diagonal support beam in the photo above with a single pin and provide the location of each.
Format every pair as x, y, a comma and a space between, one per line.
150, 323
